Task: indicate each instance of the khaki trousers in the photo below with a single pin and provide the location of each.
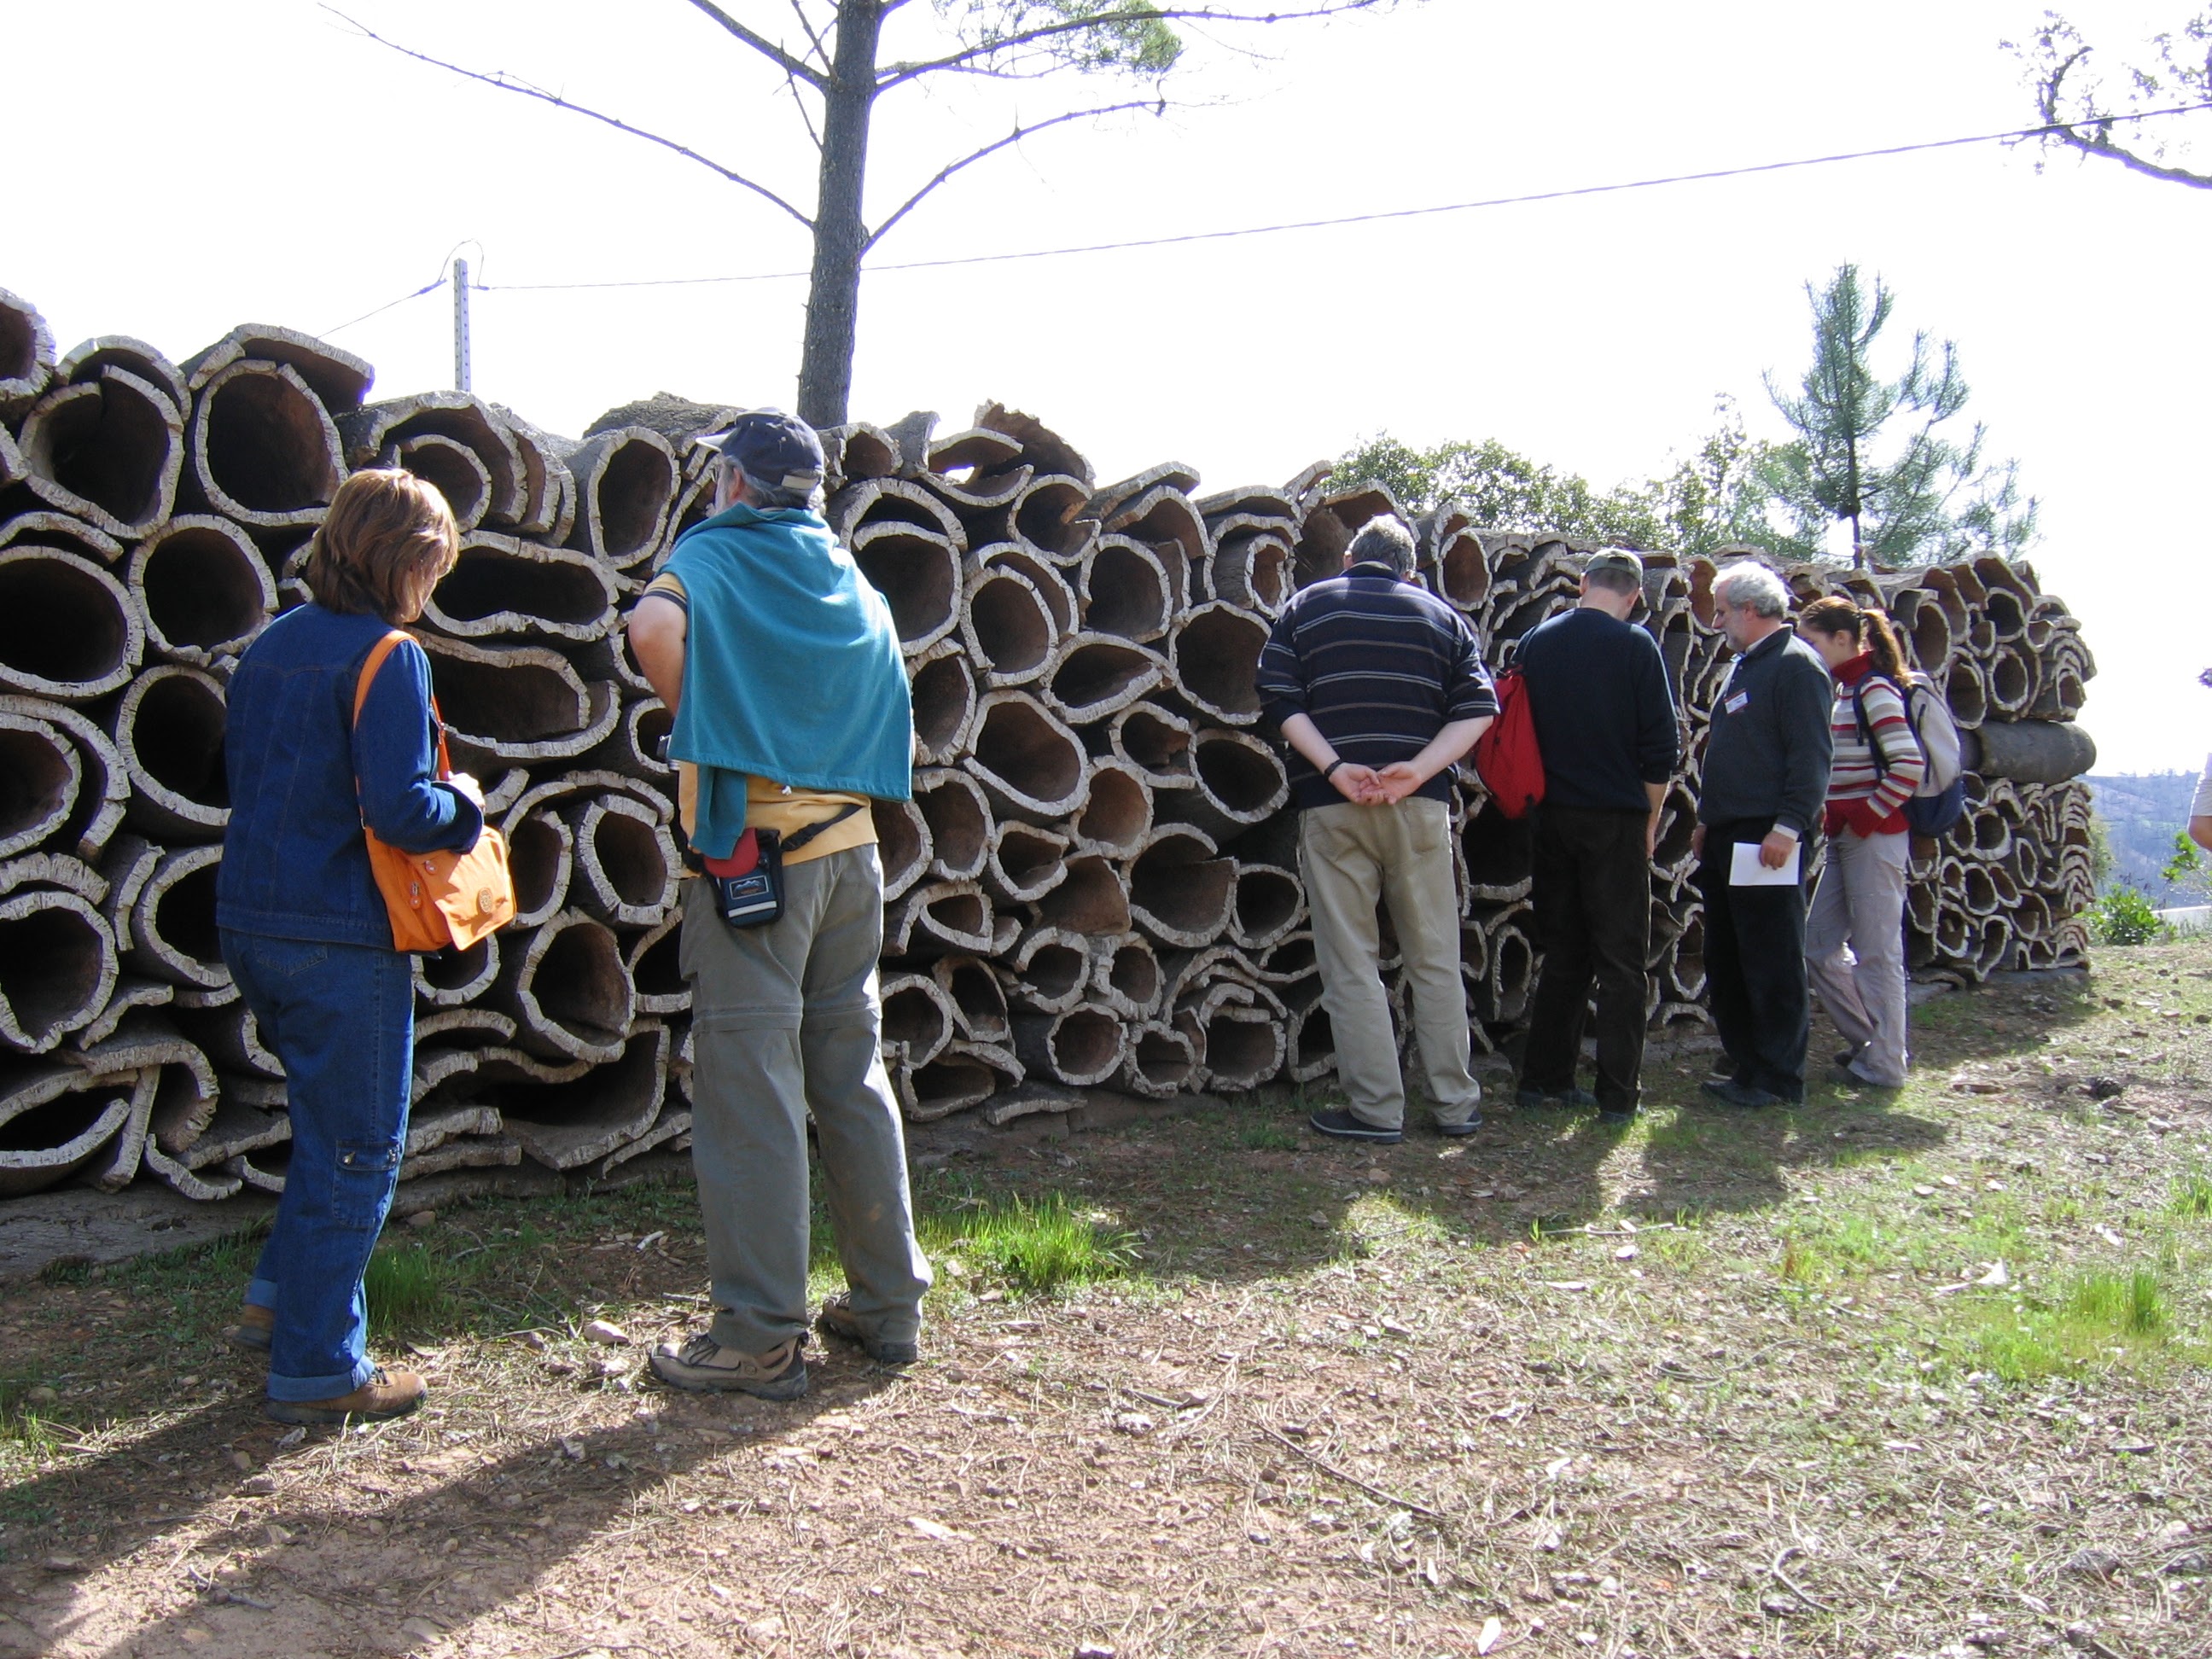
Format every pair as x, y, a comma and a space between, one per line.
784, 1020
1855, 950
1350, 856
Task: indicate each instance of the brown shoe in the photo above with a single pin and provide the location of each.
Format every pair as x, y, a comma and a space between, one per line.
252, 1330
704, 1364
386, 1395
838, 1319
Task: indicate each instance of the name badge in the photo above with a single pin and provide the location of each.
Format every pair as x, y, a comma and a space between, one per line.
1736, 704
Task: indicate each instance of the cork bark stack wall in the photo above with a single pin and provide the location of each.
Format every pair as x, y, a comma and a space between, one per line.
1095, 886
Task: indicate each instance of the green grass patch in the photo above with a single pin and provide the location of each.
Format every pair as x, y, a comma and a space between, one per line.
1037, 1248
409, 1287
2099, 1319
2193, 1193
1267, 1138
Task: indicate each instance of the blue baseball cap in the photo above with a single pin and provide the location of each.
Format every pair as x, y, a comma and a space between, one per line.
772, 448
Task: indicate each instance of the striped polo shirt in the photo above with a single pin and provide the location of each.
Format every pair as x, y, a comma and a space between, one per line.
1380, 666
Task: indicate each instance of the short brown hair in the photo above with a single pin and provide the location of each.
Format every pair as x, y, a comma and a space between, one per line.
387, 539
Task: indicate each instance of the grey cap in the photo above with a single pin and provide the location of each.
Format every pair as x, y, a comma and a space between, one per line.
1616, 558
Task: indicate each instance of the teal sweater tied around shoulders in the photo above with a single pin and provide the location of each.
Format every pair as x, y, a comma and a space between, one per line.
792, 669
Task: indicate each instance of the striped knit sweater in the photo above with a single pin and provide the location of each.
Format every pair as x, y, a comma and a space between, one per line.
1860, 795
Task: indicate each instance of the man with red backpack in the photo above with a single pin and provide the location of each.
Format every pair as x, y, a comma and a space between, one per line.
1607, 729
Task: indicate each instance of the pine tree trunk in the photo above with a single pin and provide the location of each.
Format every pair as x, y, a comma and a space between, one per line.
832, 300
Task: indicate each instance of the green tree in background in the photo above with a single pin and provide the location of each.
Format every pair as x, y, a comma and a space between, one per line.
1710, 499
1925, 495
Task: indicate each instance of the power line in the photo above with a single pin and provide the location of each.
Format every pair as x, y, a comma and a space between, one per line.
430, 287
1367, 218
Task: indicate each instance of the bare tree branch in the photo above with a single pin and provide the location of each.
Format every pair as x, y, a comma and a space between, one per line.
806, 115
509, 83
894, 74
813, 35
1014, 137
760, 43
2098, 140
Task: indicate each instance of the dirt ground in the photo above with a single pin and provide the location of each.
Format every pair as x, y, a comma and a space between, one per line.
1919, 1374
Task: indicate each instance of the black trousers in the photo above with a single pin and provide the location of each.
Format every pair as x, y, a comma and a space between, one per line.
1755, 965
1593, 903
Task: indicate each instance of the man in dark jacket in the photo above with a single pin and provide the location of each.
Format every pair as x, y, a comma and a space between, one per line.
1606, 726
1765, 783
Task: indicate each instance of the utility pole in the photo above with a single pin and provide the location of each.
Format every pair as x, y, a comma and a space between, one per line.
461, 325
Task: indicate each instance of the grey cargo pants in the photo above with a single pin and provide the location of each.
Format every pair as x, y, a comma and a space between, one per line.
785, 1019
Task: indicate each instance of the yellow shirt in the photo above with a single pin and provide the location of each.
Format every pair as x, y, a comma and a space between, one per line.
769, 805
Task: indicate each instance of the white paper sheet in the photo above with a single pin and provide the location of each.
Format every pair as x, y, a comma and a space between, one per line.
1746, 870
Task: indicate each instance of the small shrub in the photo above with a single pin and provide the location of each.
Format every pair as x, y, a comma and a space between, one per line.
2125, 916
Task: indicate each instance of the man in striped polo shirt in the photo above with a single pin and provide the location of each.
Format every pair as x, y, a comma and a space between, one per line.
1380, 689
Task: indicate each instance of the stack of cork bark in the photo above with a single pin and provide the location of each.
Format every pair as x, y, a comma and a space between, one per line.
1095, 885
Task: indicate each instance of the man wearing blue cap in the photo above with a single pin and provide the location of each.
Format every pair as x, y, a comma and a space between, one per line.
781, 666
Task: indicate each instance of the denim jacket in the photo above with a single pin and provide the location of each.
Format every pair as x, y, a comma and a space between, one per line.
294, 863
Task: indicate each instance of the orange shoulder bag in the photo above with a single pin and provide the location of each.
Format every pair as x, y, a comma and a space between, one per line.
436, 899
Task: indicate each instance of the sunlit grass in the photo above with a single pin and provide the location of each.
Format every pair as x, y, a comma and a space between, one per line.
2193, 1193
1037, 1247
408, 1286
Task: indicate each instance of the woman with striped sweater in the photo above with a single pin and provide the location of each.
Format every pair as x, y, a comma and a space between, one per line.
1855, 937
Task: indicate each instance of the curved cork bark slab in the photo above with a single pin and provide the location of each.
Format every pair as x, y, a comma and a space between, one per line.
169, 731
202, 590
69, 630
109, 450
502, 587
264, 451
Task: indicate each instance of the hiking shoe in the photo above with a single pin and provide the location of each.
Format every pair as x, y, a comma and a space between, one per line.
1845, 1056
1570, 1098
386, 1395
1740, 1095
705, 1365
1616, 1117
1342, 1125
837, 1319
252, 1328
1467, 1126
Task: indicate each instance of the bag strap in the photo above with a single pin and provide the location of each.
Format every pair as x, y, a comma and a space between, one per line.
793, 843
376, 652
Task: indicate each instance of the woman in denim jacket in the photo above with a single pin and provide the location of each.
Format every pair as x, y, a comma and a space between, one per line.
305, 934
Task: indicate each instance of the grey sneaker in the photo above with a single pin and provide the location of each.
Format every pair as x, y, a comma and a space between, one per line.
837, 1319
705, 1365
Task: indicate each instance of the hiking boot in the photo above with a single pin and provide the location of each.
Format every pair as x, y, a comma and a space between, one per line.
386, 1395
1738, 1094
837, 1319
703, 1364
252, 1328
1342, 1125
1616, 1117
1844, 1057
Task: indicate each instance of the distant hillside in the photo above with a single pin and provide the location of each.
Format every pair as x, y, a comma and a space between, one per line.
2140, 814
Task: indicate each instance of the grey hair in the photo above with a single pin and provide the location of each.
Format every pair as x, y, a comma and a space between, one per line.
770, 498
1384, 540
1755, 587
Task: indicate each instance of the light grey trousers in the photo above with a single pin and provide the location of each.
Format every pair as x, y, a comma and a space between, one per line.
1855, 950
785, 1019
1350, 856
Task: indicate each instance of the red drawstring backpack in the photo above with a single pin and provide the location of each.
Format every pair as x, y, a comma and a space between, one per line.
1506, 757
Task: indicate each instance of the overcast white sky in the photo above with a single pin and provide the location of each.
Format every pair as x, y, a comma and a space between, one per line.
178, 169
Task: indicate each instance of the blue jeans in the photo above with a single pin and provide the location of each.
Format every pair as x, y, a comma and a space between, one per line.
340, 1018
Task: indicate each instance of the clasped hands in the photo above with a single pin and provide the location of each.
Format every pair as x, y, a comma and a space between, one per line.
1368, 786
